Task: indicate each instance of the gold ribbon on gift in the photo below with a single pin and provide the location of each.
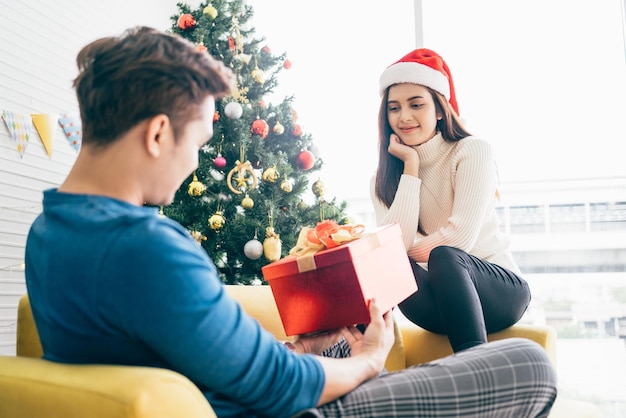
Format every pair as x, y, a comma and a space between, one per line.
326, 234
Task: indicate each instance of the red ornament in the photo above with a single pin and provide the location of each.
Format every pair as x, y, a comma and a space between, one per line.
305, 160
266, 49
216, 116
219, 162
262, 104
231, 43
186, 21
260, 127
297, 130
287, 64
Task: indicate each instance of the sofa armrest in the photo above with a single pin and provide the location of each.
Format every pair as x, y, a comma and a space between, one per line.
27, 337
32, 387
422, 346
543, 335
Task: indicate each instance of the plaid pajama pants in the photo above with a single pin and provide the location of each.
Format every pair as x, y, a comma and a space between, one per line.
507, 378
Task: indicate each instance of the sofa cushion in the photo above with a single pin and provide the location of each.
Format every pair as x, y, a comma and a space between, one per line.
43, 389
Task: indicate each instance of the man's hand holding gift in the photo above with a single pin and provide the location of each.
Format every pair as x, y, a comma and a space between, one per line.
379, 335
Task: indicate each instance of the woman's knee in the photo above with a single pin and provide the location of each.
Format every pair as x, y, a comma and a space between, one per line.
445, 256
446, 252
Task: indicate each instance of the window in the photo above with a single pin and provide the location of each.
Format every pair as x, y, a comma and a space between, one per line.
527, 219
527, 80
607, 216
567, 217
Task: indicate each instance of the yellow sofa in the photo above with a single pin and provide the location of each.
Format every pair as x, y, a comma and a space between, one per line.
32, 387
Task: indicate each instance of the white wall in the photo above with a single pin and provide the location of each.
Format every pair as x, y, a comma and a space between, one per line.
39, 41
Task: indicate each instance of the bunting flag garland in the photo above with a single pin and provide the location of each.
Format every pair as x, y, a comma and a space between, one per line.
20, 126
46, 125
73, 128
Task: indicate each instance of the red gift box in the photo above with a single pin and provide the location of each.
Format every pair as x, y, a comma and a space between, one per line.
330, 288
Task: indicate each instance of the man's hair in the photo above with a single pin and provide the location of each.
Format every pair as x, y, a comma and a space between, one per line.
140, 74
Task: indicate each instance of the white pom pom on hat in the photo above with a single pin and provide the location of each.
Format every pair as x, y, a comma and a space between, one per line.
424, 67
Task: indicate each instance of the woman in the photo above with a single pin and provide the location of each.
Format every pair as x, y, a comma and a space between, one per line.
439, 183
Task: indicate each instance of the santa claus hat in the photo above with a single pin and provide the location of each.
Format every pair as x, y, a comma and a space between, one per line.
424, 67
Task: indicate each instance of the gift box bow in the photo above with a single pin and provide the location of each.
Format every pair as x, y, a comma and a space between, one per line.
326, 234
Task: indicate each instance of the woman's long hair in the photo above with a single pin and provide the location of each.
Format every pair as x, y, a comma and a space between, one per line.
390, 168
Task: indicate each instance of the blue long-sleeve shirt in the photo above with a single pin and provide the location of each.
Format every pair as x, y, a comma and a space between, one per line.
113, 283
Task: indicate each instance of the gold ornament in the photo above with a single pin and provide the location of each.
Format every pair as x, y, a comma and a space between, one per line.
318, 188
272, 244
196, 235
216, 221
278, 128
244, 177
196, 188
258, 75
270, 175
247, 202
239, 94
210, 11
286, 186
302, 205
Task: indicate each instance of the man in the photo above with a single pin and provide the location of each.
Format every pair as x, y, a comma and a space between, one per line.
111, 282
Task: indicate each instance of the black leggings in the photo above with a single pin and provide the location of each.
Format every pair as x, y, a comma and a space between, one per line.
465, 297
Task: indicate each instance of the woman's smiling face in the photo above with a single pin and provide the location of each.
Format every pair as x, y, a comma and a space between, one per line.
411, 113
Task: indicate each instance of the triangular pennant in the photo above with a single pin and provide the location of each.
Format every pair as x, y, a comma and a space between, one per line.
21, 128
73, 128
46, 125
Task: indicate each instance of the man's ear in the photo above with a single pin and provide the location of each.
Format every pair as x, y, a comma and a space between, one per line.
157, 131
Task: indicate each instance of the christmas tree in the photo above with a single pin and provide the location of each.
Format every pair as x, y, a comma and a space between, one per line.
245, 203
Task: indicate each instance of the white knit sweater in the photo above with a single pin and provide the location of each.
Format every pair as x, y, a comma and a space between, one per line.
454, 201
